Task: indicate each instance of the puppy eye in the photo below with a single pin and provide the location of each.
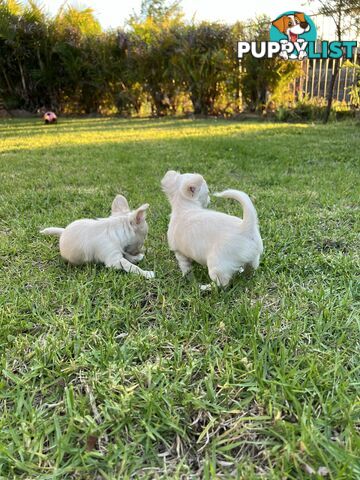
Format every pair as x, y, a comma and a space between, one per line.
290, 24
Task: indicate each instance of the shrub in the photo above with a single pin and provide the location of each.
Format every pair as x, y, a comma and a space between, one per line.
265, 80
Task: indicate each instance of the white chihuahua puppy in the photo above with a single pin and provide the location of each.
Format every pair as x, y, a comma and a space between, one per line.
223, 243
116, 241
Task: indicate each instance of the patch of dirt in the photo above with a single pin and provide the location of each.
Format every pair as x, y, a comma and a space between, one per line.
328, 245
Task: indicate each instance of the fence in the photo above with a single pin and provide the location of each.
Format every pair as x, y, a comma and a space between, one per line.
316, 74
316, 77
314, 82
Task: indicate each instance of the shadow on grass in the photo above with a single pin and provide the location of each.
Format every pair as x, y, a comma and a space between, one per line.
69, 125
147, 131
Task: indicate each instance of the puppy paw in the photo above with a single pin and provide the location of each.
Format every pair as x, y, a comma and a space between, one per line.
148, 274
138, 258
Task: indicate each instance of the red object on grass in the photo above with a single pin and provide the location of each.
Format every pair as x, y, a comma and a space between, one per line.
50, 117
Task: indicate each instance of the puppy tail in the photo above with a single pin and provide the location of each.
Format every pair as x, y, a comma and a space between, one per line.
250, 217
52, 231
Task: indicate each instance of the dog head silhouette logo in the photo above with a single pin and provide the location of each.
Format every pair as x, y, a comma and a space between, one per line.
293, 28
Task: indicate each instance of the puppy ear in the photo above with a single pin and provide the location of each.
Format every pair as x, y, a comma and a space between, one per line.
138, 215
169, 180
191, 187
280, 23
300, 16
120, 205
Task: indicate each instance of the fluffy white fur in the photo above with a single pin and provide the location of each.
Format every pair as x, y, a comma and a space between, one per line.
224, 243
116, 241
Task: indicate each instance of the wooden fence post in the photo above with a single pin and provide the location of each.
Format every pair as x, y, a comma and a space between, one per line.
319, 77
339, 79
307, 76
313, 78
326, 76
345, 84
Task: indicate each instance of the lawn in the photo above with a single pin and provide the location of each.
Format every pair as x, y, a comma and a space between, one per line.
108, 376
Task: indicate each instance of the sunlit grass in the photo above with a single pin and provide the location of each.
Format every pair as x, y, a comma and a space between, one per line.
107, 376
95, 132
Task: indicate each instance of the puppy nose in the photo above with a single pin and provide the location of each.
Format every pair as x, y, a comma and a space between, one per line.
304, 24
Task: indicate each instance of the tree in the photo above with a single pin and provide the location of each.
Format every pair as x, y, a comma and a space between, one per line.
45, 61
264, 76
346, 15
204, 62
155, 30
78, 48
22, 29
159, 11
81, 20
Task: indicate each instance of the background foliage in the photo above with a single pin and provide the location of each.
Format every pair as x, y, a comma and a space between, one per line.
156, 62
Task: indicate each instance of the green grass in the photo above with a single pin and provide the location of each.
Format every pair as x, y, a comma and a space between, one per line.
108, 376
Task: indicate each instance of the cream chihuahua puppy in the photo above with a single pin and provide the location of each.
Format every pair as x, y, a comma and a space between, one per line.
223, 243
116, 241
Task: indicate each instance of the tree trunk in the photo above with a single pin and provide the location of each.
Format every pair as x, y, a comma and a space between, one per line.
7, 80
196, 101
331, 90
23, 82
339, 26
